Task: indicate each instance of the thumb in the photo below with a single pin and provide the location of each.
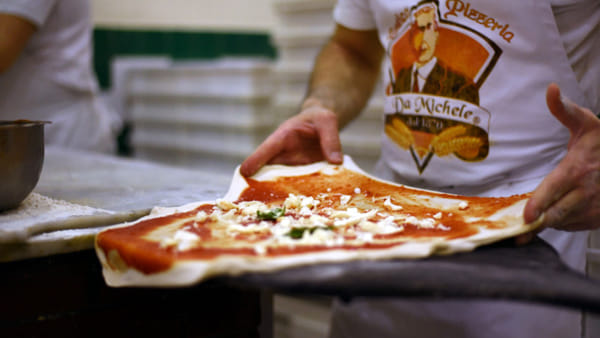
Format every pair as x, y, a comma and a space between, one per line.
566, 111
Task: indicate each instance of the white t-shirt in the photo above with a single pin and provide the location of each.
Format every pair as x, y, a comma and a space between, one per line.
52, 78
507, 150
489, 93
578, 23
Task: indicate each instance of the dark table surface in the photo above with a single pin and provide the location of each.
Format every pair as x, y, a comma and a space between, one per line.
503, 271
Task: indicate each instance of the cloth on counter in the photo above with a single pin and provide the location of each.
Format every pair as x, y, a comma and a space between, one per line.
39, 213
50, 243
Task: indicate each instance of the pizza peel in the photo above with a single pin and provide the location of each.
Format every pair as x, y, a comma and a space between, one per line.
501, 271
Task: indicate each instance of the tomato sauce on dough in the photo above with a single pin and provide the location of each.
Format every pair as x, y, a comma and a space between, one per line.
148, 256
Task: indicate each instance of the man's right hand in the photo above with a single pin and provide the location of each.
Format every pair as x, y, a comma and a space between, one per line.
308, 137
342, 80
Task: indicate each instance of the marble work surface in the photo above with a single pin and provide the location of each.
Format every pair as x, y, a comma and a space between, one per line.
110, 189
121, 184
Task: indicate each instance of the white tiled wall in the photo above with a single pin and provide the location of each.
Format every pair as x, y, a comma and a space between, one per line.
205, 114
187, 14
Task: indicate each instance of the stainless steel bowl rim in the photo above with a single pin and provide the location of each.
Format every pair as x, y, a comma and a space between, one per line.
22, 123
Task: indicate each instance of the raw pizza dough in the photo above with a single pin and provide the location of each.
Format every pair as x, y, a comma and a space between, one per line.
315, 214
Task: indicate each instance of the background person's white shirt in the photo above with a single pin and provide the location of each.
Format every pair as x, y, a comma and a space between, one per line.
52, 79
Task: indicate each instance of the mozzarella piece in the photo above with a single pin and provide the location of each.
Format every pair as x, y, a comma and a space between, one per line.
260, 249
317, 220
230, 216
283, 227
389, 226
305, 211
352, 217
201, 216
252, 207
388, 203
252, 227
225, 205
344, 213
384, 227
292, 202
344, 199
181, 239
365, 237
443, 227
309, 202
321, 236
425, 223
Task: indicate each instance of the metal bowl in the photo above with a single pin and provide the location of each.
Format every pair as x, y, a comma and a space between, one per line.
21, 160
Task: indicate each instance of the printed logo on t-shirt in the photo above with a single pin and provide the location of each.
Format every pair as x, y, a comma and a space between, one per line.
435, 70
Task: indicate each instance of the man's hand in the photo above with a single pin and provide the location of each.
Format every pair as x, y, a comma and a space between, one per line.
569, 197
341, 83
308, 137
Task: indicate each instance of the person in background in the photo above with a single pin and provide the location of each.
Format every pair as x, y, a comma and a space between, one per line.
46, 73
525, 57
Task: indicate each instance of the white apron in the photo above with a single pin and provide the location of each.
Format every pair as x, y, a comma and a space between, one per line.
472, 120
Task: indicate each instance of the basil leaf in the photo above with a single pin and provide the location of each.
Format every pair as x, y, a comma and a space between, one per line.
272, 214
297, 233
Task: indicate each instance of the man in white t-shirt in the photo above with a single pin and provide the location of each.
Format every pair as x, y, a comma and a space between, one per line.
527, 135
46, 73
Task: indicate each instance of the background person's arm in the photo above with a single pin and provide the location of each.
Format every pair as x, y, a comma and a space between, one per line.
345, 73
14, 35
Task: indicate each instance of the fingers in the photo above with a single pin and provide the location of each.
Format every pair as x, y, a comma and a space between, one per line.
561, 179
572, 116
561, 107
569, 196
552, 188
565, 213
305, 138
525, 238
566, 198
576, 210
274, 145
327, 127
263, 154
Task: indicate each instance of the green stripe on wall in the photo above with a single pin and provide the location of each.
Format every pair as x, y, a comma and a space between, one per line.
179, 45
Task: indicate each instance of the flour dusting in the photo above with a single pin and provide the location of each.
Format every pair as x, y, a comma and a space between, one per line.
40, 213
36, 205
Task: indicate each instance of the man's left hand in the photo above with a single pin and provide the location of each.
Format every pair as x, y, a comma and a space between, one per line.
569, 197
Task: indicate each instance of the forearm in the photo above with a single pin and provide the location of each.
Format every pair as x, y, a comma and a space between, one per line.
345, 73
14, 34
